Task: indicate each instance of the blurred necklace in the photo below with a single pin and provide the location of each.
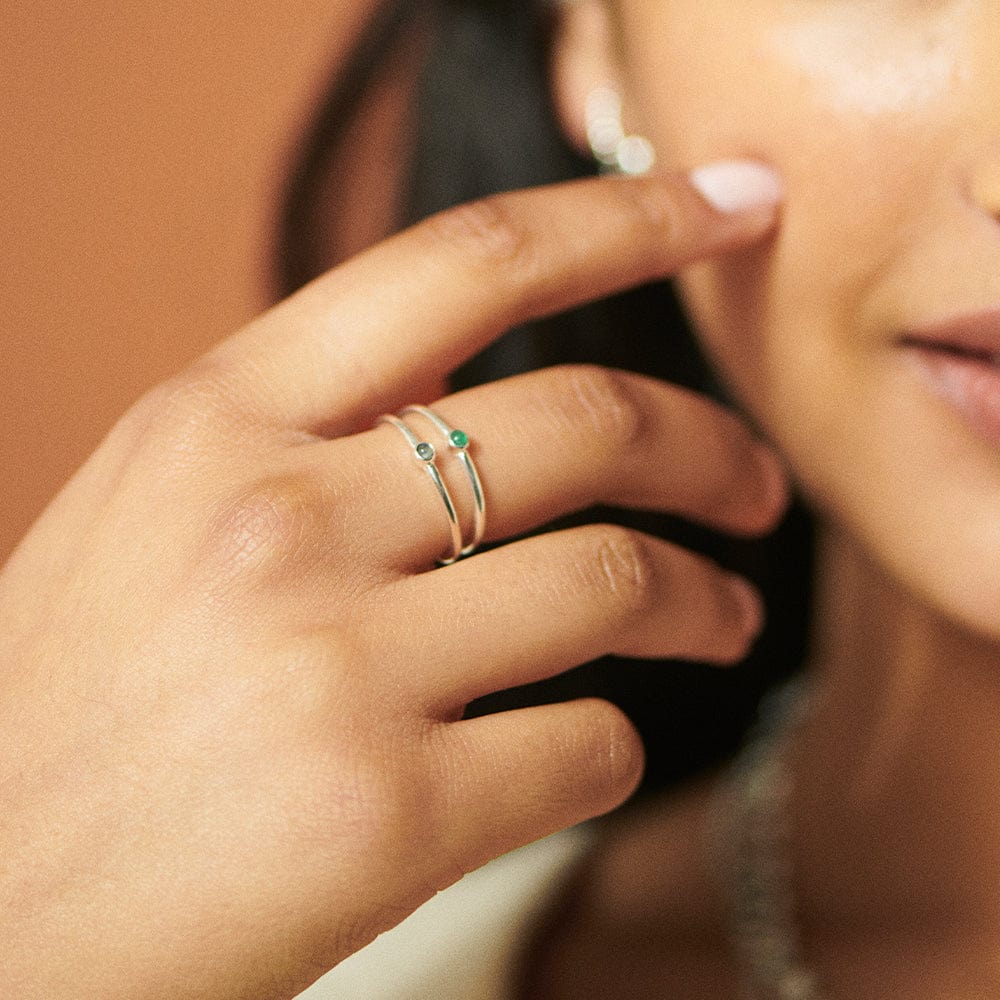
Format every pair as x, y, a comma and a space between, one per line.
749, 834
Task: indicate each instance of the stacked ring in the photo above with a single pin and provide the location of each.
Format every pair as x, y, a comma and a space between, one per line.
424, 453
459, 442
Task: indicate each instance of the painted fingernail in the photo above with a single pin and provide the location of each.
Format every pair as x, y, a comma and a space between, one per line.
732, 186
749, 605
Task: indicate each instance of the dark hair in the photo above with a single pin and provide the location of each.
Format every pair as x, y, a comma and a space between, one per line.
482, 123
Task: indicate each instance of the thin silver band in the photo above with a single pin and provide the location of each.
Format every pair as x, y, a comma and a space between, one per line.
459, 442
424, 454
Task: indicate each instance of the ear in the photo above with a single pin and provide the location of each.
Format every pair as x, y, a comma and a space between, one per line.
584, 57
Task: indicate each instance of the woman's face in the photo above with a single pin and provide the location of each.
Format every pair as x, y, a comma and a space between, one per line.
884, 118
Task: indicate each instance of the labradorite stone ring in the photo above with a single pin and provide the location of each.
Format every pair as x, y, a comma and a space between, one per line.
458, 442
425, 454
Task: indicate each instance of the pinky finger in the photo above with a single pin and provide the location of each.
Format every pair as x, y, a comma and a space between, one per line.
534, 771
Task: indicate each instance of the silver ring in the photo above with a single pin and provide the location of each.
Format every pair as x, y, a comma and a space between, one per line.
459, 443
424, 453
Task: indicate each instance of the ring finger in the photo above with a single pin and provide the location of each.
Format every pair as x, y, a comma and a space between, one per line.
551, 442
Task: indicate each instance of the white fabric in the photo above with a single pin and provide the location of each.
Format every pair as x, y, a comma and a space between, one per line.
463, 944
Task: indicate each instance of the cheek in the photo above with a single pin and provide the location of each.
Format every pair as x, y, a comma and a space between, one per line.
776, 319
876, 139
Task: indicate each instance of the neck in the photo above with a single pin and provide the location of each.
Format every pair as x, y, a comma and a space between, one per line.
896, 771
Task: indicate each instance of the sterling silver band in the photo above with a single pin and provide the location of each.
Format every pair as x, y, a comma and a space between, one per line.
424, 453
459, 443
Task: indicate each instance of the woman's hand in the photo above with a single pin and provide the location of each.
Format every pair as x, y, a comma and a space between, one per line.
231, 738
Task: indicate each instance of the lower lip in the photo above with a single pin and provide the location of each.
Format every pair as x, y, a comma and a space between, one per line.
970, 385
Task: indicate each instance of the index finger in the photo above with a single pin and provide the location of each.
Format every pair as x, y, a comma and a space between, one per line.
355, 342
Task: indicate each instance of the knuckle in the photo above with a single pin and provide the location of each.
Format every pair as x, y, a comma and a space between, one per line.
204, 386
624, 571
604, 405
377, 817
271, 525
487, 233
615, 752
190, 409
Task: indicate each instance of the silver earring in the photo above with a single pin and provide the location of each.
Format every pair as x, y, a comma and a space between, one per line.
616, 152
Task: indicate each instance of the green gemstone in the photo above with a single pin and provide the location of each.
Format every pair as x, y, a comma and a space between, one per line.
459, 439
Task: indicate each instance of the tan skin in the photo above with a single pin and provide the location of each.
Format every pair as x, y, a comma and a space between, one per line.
233, 681
200, 631
881, 118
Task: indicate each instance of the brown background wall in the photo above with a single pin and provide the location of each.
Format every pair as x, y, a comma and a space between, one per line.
142, 147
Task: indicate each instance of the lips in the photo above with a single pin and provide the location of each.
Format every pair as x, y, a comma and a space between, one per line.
960, 361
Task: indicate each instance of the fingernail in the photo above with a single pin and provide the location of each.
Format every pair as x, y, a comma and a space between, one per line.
732, 186
749, 605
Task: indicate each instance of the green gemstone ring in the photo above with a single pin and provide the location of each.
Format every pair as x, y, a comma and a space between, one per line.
460, 442
424, 452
